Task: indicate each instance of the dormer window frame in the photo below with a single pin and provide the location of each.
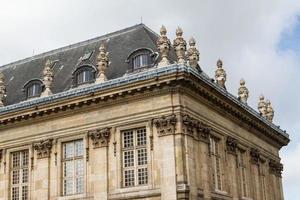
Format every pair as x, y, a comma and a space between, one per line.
81, 69
37, 85
152, 56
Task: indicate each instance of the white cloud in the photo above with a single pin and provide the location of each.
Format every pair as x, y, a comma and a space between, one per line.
245, 34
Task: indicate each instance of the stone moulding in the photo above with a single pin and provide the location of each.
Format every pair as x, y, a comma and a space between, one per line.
100, 137
165, 125
43, 148
231, 145
181, 74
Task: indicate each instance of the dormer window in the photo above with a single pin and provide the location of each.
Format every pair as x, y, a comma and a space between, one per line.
83, 75
141, 59
33, 88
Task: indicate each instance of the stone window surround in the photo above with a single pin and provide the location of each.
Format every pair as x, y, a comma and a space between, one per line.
119, 188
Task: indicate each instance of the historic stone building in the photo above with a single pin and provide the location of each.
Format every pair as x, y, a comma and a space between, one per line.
140, 122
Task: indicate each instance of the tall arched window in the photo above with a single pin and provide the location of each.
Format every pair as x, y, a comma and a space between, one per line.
84, 74
33, 88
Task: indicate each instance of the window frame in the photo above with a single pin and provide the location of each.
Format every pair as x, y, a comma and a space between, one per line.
74, 158
152, 58
20, 169
135, 149
81, 69
32, 83
214, 157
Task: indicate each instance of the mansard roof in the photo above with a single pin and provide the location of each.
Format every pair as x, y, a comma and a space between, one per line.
119, 44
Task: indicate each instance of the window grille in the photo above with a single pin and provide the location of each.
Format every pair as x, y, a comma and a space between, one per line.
73, 167
135, 158
19, 175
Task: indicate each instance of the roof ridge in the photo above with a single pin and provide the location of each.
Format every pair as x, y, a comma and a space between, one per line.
74, 45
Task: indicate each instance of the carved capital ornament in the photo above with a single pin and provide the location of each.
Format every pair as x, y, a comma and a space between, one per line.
100, 137
231, 144
254, 156
165, 125
43, 148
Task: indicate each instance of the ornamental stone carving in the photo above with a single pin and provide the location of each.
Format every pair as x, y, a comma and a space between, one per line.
2, 89
254, 156
100, 137
262, 106
188, 124
243, 92
276, 168
231, 145
193, 54
179, 45
48, 78
203, 132
269, 111
220, 74
43, 148
165, 125
102, 64
163, 45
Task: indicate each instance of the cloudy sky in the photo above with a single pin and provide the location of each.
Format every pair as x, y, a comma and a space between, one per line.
257, 40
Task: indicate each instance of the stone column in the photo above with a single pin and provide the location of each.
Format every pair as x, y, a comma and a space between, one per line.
165, 127
99, 162
231, 147
42, 170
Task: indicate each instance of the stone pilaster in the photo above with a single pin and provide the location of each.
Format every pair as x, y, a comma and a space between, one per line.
42, 169
255, 176
99, 167
231, 147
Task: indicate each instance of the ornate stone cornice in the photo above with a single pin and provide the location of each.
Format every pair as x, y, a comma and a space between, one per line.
276, 168
100, 137
43, 148
165, 125
231, 145
254, 156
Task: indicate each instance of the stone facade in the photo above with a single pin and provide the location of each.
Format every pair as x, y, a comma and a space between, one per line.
198, 144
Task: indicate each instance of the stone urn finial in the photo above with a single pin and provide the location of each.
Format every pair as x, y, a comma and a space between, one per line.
102, 64
220, 74
179, 45
2, 89
163, 45
262, 106
270, 111
47, 78
243, 92
193, 53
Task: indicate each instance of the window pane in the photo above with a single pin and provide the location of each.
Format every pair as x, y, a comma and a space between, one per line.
129, 178
15, 177
68, 169
79, 167
142, 156
68, 186
128, 158
25, 158
16, 159
15, 193
142, 60
79, 148
128, 139
143, 176
79, 185
24, 192
84, 76
25, 175
33, 90
141, 137
69, 150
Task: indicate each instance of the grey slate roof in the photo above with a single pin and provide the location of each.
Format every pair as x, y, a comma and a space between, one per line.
119, 44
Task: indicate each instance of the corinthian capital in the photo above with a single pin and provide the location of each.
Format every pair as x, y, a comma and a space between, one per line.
165, 125
43, 148
100, 137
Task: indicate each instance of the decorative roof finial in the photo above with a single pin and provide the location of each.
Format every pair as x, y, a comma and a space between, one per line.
270, 111
193, 53
262, 106
243, 92
220, 74
163, 45
48, 78
102, 64
2, 89
179, 45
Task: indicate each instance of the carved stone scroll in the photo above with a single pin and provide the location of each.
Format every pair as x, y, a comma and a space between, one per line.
165, 125
231, 144
43, 148
100, 137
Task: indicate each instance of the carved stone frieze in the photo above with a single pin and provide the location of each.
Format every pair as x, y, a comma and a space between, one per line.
254, 156
231, 145
43, 148
100, 137
165, 125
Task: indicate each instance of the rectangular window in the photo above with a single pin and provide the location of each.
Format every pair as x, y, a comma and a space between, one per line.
216, 163
19, 175
243, 173
73, 167
135, 158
